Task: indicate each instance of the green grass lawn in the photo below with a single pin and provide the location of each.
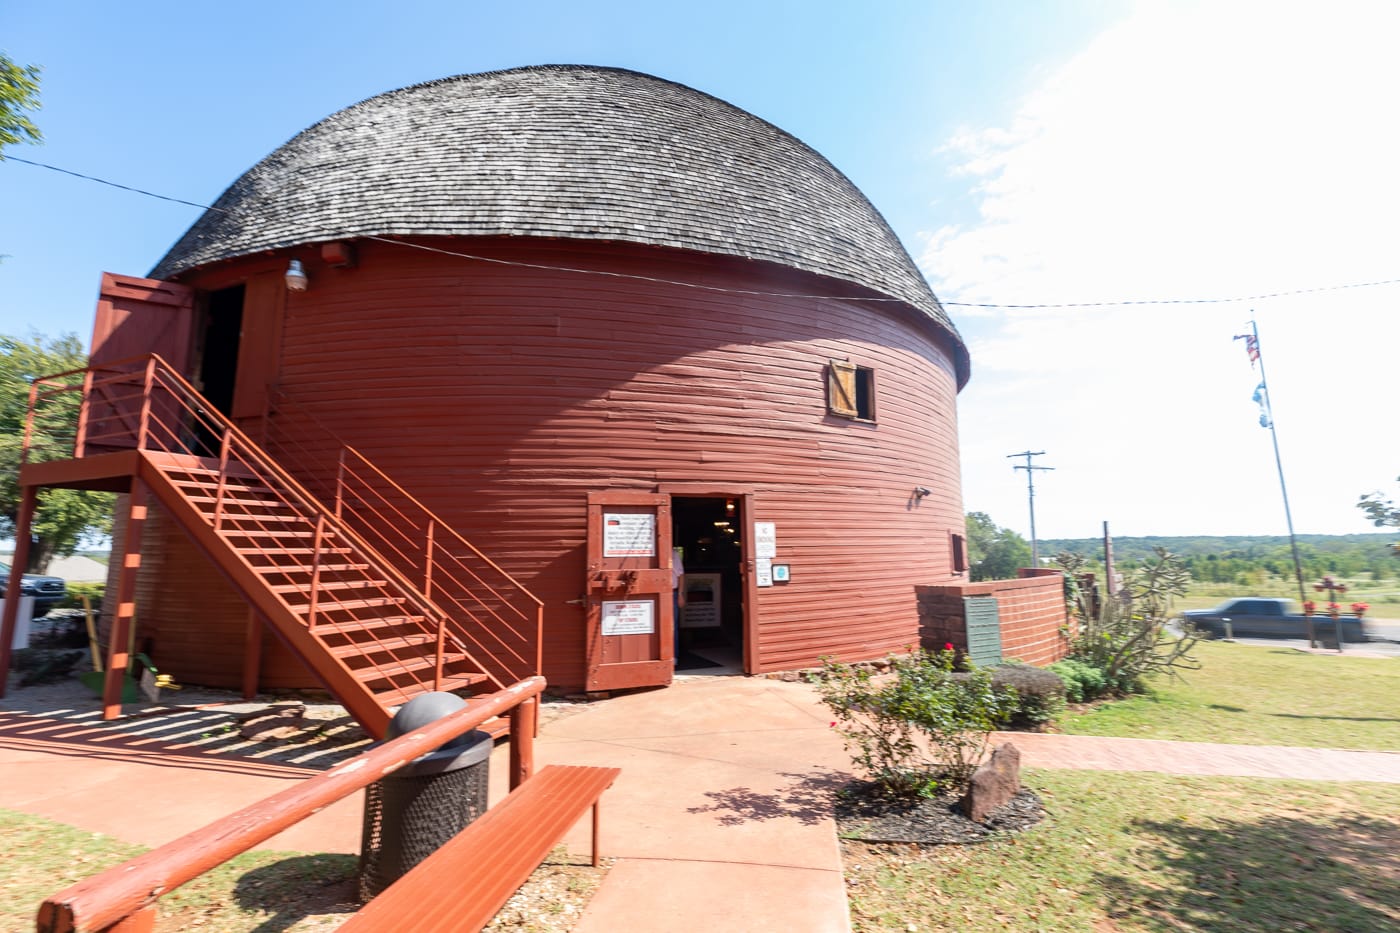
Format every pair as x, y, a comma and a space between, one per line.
1252, 695
1142, 852
257, 890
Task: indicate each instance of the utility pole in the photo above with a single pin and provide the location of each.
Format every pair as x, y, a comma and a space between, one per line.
1030, 469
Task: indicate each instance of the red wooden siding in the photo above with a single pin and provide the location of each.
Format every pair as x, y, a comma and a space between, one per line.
502, 396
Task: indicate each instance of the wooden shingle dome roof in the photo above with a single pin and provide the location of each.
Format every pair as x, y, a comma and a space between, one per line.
562, 151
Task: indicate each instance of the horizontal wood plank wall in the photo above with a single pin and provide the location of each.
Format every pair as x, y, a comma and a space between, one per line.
502, 395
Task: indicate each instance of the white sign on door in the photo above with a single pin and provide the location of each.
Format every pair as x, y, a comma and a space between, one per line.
765, 539
630, 617
629, 534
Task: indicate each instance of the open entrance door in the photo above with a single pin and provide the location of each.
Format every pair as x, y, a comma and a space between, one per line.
713, 532
631, 640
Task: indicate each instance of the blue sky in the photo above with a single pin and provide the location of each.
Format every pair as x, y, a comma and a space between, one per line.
1026, 152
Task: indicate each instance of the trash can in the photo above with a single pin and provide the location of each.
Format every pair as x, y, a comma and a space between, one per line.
411, 813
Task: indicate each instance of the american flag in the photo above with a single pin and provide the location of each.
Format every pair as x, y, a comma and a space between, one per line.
1251, 346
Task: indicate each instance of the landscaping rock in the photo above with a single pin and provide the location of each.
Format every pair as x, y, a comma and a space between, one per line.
993, 784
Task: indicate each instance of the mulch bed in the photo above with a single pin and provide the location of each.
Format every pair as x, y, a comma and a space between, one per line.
865, 812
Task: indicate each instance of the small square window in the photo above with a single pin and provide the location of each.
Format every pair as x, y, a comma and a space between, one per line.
850, 390
959, 548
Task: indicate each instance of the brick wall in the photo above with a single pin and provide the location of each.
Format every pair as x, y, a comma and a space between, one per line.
1031, 610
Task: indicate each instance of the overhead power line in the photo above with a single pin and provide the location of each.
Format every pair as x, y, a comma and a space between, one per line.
744, 291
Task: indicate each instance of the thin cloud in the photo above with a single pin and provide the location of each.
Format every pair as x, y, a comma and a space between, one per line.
1189, 151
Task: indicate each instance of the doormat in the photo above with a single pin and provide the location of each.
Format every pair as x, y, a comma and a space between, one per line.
690, 662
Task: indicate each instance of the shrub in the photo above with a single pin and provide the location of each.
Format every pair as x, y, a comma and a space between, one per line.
1083, 682
919, 729
1124, 635
76, 592
1039, 695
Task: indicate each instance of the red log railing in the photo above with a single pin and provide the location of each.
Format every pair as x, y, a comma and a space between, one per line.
123, 898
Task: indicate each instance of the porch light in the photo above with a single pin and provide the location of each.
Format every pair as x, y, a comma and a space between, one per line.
296, 277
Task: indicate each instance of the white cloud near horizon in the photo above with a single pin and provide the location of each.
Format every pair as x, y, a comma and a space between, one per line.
1189, 151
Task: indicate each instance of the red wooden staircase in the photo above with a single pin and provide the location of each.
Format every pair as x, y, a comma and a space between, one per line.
374, 637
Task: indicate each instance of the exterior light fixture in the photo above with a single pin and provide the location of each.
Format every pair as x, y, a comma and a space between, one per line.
921, 491
296, 277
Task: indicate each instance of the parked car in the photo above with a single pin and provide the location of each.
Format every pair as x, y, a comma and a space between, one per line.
47, 591
1255, 617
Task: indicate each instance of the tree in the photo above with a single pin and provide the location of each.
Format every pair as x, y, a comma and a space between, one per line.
65, 518
1382, 512
994, 553
19, 91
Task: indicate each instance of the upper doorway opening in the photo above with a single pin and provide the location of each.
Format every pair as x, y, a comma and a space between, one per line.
220, 335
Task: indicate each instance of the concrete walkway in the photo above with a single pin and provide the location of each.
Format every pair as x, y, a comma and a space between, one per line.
719, 821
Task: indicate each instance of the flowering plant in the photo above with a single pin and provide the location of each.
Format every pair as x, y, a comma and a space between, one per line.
1334, 610
1359, 609
1309, 607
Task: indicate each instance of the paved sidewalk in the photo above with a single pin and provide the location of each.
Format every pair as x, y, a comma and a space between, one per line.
720, 820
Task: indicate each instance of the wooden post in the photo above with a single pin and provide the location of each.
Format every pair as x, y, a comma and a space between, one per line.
20, 560
123, 625
522, 742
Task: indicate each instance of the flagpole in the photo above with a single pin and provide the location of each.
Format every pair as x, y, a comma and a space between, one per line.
1283, 486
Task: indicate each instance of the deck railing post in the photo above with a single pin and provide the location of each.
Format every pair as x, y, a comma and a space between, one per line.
428, 560
147, 390
316, 571
222, 487
29, 423
340, 485
84, 407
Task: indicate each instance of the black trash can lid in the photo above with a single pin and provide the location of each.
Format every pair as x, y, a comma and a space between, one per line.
472, 748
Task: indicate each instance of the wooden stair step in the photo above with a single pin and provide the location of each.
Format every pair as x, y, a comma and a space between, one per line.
291, 551
295, 569
405, 667
396, 643
269, 533
281, 518
328, 585
356, 626
348, 605
450, 684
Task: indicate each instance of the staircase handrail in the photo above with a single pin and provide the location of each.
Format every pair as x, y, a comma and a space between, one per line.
154, 364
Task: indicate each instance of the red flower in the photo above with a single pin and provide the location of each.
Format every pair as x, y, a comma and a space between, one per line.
947, 646
1334, 610
1359, 609
1309, 608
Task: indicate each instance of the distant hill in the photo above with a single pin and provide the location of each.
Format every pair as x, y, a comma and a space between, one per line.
1225, 558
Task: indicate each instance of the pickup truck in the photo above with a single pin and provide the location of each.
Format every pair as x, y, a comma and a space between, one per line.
1254, 617
47, 591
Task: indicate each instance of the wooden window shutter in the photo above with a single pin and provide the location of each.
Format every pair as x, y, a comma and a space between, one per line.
841, 389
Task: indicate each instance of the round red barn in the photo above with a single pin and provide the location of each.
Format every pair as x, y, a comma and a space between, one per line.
548, 298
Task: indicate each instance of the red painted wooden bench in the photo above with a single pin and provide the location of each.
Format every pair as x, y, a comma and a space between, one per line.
462, 885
